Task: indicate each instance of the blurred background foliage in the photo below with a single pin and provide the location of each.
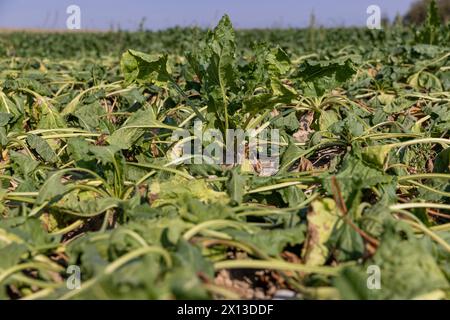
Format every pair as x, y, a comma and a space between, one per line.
417, 14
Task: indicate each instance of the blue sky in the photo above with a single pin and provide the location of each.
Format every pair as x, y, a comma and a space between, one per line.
102, 14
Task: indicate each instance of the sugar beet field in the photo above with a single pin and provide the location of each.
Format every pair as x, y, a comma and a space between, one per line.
95, 204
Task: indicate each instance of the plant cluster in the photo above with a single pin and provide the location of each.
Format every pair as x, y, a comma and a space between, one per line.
87, 179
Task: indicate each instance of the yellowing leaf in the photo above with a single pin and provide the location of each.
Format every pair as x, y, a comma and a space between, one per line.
322, 219
174, 190
376, 154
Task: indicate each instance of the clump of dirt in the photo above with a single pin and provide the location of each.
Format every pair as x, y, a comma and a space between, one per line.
250, 284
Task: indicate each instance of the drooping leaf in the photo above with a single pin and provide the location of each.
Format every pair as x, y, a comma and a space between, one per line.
42, 148
51, 189
272, 242
236, 186
144, 68
407, 270
323, 76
